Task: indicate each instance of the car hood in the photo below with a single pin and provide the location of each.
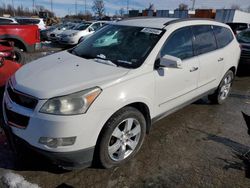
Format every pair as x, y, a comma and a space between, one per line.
69, 32
57, 31
63, 73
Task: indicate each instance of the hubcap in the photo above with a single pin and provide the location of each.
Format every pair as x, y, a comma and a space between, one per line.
124, 139
225, 89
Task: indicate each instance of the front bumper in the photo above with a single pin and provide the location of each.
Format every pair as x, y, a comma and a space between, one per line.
27, 126
68, 41
67, 160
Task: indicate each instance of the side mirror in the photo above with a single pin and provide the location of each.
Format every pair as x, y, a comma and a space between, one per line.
171, 62
91, 29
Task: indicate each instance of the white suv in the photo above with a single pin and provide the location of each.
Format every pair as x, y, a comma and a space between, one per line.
32, 21
102, 96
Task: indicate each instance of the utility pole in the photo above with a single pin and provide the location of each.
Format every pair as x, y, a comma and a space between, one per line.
76, 7
51, 4
127, 6
33, 6
13, 7
85, 7
193, 4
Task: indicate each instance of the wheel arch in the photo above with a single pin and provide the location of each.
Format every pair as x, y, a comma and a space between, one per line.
142, 107
233, 69
18, 42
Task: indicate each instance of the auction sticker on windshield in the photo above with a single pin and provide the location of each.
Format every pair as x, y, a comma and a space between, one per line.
151, 30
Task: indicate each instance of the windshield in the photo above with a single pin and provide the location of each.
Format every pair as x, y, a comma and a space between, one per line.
81, 26
124, 46
244, 36
66, 26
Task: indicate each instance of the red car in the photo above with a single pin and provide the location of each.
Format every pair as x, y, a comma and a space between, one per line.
7, 68
8, 65
25, 37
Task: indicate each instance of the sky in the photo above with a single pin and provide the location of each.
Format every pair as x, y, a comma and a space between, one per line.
64, 7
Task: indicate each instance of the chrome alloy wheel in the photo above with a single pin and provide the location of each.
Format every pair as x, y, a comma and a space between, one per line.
225, 88
124, 139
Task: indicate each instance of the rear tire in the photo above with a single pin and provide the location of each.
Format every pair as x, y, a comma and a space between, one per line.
122, 137
223, 90
20, 56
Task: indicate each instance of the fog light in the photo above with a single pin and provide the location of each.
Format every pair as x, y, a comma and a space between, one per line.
57, 142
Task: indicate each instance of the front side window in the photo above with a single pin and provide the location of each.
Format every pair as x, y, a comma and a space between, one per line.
204, 39
82, 27
223, 36
96, 26
5, 21
125, 46
179, 44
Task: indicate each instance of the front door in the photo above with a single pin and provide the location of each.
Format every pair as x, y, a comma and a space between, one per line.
175, 86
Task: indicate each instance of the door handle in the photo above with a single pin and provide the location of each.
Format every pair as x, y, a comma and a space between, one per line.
194, 69
220, 59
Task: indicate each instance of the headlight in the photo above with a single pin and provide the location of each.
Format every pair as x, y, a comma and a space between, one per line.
73, 34
73, 104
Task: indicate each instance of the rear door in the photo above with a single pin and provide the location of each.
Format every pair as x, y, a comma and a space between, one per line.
224, 37
211, 61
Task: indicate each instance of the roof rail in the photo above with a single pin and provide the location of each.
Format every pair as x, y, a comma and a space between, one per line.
139, 17
186, 19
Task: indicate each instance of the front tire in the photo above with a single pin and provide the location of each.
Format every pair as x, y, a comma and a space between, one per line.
122, 137
222, 92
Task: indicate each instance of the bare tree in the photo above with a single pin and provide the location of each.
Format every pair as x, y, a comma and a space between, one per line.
98, 8
122, 11
183, 6
236, 7
151, 6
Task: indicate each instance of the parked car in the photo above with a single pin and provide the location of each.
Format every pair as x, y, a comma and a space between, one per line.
244, 39
25, 37
53, 36
32, 21
238, 27
102, 97
7, 68
4, 20
10, 61
8, 51
45, 34
78, 33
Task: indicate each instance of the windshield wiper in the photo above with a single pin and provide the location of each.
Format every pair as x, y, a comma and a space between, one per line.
105, 61
125, 62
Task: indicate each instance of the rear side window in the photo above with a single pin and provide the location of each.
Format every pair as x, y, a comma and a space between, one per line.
5, 21
28, 21
179, 44
223, 36
204, 39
